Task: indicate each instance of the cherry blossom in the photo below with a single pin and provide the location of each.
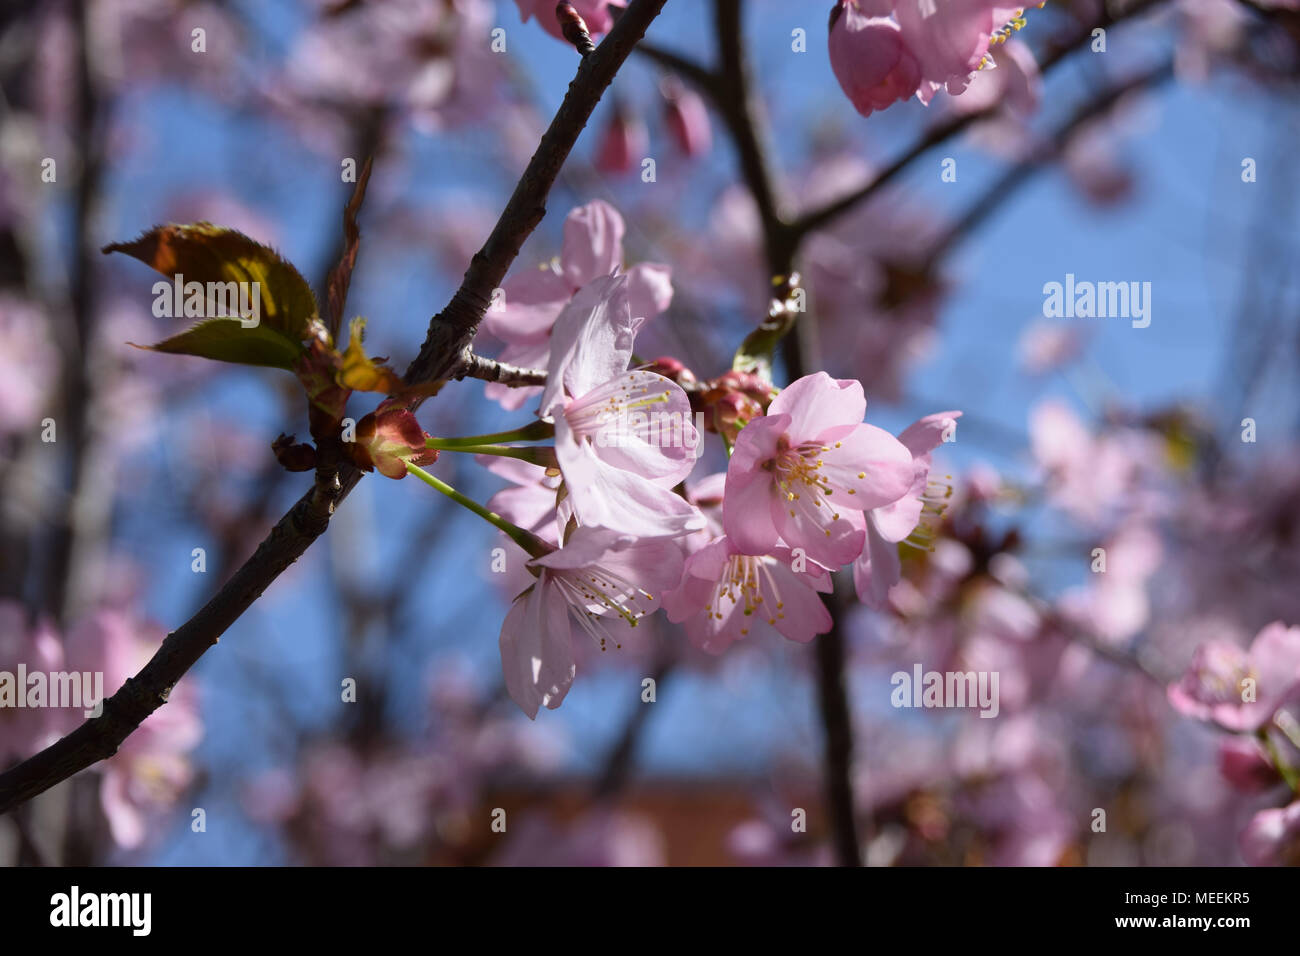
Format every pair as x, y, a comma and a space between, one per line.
793, 471
532, 300
603, 582
623, 438
725, 594
1241, 689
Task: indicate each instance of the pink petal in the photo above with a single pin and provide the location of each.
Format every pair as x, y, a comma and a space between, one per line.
593, 243
750, 491
803, 615
817, 402
532, 301
639, 422
877, 570
649, 289
536, 649
870, 60
591, 342
868, 460
608, 497
926, 434
824, 538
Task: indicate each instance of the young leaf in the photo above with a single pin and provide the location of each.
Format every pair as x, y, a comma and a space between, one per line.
365, 374
225, 340
205, 253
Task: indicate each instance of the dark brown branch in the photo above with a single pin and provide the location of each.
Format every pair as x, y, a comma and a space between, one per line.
444, 348
702, 77
742, 114
452, 330
734, 98
837, 720
490, 370
617, 769
141, 695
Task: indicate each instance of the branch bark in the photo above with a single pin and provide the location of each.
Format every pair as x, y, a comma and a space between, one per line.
442, 354
490, 370
452, 330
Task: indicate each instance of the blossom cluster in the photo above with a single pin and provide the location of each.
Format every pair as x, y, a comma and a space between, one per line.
613, 529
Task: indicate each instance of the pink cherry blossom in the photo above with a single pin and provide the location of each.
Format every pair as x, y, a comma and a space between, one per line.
793, 470
686, 117
870, 59
928, 46
26, 730
1090, 477
878, 567
533, 300
949, 39
1272, 838
153, 767
1214, 685
725, 594
1113, 605
623, 438
530, 502
603, 581
623, 143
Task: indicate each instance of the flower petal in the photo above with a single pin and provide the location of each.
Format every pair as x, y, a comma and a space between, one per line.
591, 342
536, 649
593, 242
818, 402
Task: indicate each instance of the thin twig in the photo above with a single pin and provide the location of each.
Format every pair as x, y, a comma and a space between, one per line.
490, 370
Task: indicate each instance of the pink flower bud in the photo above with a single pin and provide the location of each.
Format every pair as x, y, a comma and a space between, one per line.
389, 437
869, 58
687, 118
623, 143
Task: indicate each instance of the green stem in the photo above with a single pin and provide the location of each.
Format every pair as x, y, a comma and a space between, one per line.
543, 456
1288, 773
533, 431
525, 539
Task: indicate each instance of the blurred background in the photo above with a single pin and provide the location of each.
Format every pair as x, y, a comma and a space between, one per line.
1167, 157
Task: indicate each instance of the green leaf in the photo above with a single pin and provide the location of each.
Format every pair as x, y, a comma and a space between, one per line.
226, 340
206, 253
756, 351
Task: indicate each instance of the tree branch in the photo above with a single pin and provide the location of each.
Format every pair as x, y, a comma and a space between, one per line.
490, 370
1050, 147
449, 335
452, 330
